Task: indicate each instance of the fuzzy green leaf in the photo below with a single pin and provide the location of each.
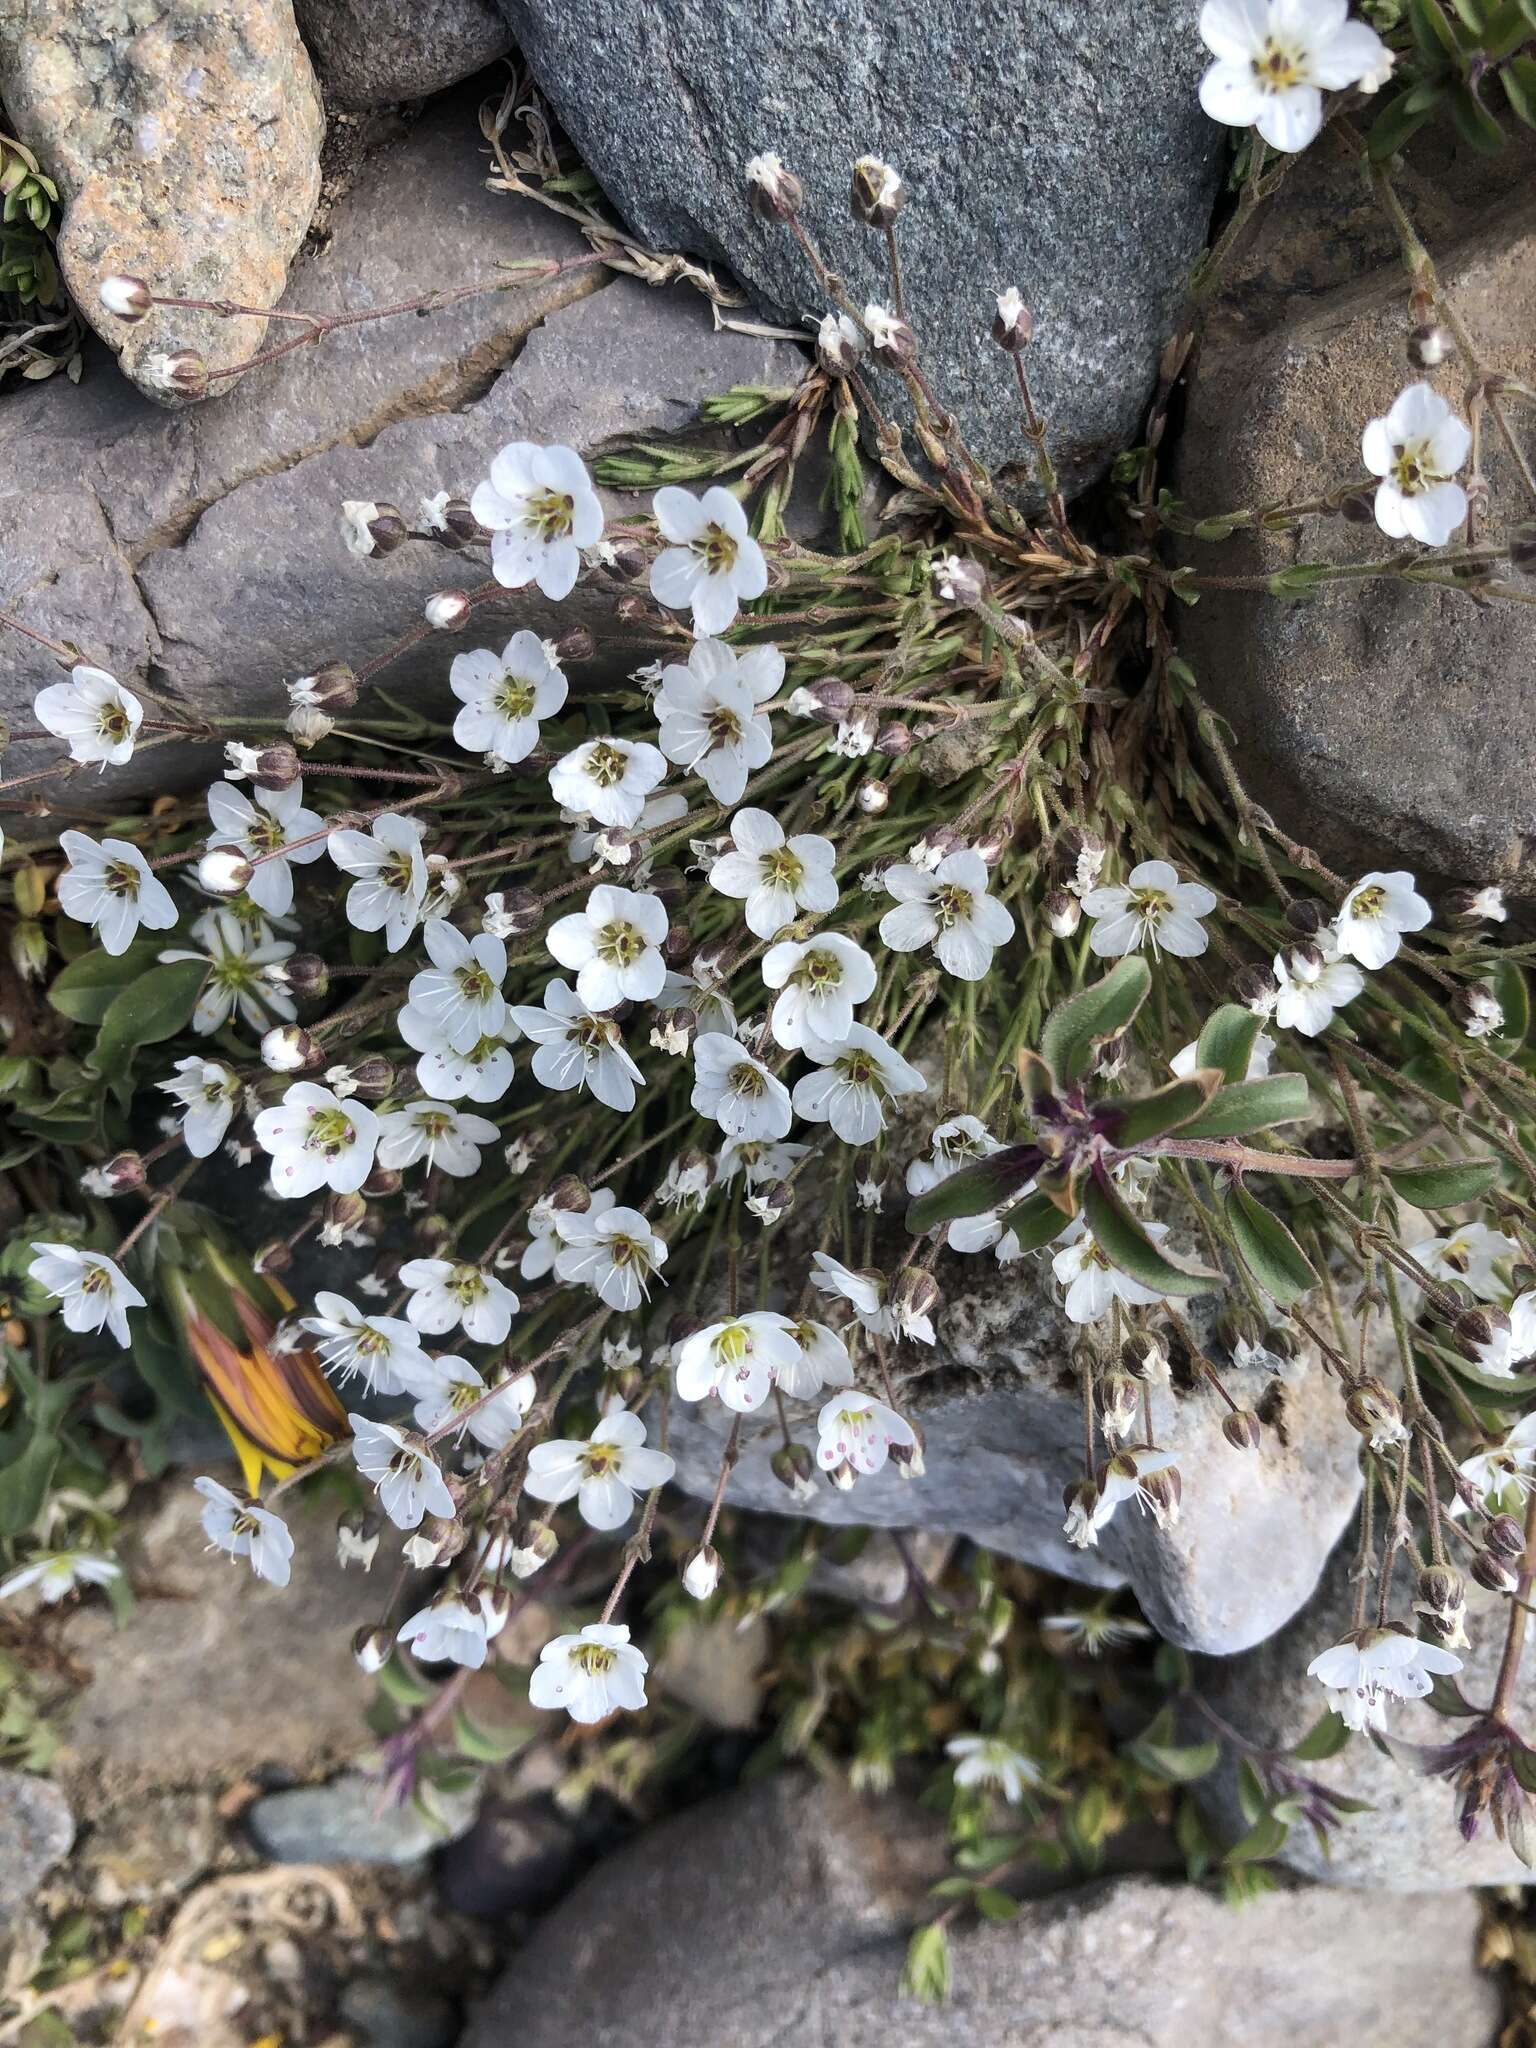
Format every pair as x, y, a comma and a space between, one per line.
1227, 1041
1245, 1106
154, 1007
1266, 1838
1325, 1738
1168, 1108
1446, 1186
1034, 1221
85, 990
1514, 995
1274, 1258
1398, 121
976, 1189
1075, 1027
1126, 1245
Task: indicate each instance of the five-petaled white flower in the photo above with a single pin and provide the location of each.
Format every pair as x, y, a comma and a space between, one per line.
483, 1073
110, 886
603, 1472
542, 511
1276, 58
448, 1630
1376, 913
208, 1092
505, 696
578, 1047
1505, 1472
58, 1572
1314, 981
612, 1251
865, 1292
607, 779
264, 827
820, 981
821, 1360
405, 1475
94, 1291
1125, 1477
392, 876
854, 1085
544, 1239
384, 1350
738, 1359
710, 720
455, 1392
778, 878
713, 562
856, 1433
591, 1675
246, 1529
317, 1141
1416, 450
97, 718
1469, 1253
1093, 1285
733, 1087
949, 909
1151, 907
448, 1139
1374, 1665
244, 962
989, 1762
449, 1291
457, 1001
614, 945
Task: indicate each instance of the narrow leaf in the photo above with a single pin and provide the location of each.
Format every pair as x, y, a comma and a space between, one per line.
1513, 992
84, 991
1263, 1840
1168, 1108
1446, 1186
1085, 1020
976, 1189
1274, 1258
154, 1007
1325, 1738
1227, 1041
1245, 1106
1126, 1245
1034, 1221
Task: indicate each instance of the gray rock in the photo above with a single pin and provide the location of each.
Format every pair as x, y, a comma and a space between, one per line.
352, 1819
714, 1668
1057, 148
372, 53
1001, 1417
36, 1831
390, 2015
1336, 731
804, 1895
150, 1846
519, 1857
200, 554
1408, 1841
184, 136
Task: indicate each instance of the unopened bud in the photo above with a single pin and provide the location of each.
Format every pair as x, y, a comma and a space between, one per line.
224, 871
1144, 1356
445, 611
1431, 345
1505, 1535
1475, 1328
275, 1257
307, 975
773, 192
29, 889
383, 1182
180, 374
795, 1469
894, 738
1374, 1412
914, 1298
124, 1173
1443, 1603
289, 1049
959, 580
874, 796
371, 1648
1119, 1404
343, 1212
1495, 1571
372, 1078
128, 298
332, 687
1063, 913
877, 193
1256, 989
1306, 916
839, 344
829, 698
533, 1547
277, 767
1013, 325
570, 1194
512, 913
575, 644
701, 1572
629, 561
1240, 1427
370, 529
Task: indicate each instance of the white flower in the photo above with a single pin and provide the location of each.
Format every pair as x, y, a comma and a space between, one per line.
1276, 58
385, 1350
110, 886
1093, 1285
1416, 450
820, 981
948, 909
454, 1389
988, 1761
603, 1472
709, 716
505, 696
448, 1139
208, 1092
736, 1089
1376, 913
483, 1073
854, 1086
713, 563
763, 1161
544, 1235
856, 1433
246, 1529
1151, 907
685, 1184
1489, 902
821, 1360
317, 1141
701, 1573
58, 1572
97, 717
1469, 1253
261, 827
95, 1293
954, 1144
576, 1047
778, 877
614, 945
864, 1292
1514, 1338
591, 1675
542, 511
614, 1252
607, 779
392, 876
1505, 1472
1374, 1665
409, 1484
1124, 1478
446, 1631
1314, 982
449, 1291
457, 1001
244, 964
738, 1359
1186, 1061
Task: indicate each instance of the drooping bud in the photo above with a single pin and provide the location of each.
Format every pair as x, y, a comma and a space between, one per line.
701, 1572
795, 1469
340, 1214
570, 1194
274, 1257
914, 1299
890, 338
1256, 989
511, 913
907, 1459
533, 1547
839, 344
1119, 1404
372, 529
180, 374
1374, 1412
877, 193
1163, 1493
289, 1049
277, 767
224, 871
1475, 1328
829, 698
1443, 1603
874, 796
769, 1205
128, 298
1240, 1427
371, 1648
1431, 345
1306, 916
308, 975
1013, 325
1505, 1535
446, 611
372, 1078
773, 192
1144, 1356
1063, 913
894, 738
1492, 1569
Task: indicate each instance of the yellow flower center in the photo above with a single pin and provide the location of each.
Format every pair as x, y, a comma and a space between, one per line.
718, 549
550, 514
1277, 69
514, 697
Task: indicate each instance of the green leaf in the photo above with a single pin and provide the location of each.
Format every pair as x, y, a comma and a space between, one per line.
1431, 31
1274, 1258
1126, 1245
993, 1904
1244, 1106
1168, 1108
404, 1684
1399, 120
154, 1007
1034, 1222
926, 1976
85, 990
1444, 1187
24, 1483
975, 1190
1180, 1765
1227, 1041
1429, 1071
1514, 995
482, 1745
1518, 78
1076, 1027
1474, 122
1325, 1738
1266, 1838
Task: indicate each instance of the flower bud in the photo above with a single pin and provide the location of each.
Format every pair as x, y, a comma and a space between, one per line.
1443, 1603
1255, 988
29, 949
874, 796
332, 687
127, 298
1144, 1356
1475, 1328
533, 1547
1431, 345
370, 529
308, 975
274, 1257
342, 1213
1013, 325
1306, 916
1505, 1535
575, 644
124, 1173
512, 913
570, 1194
1374, 1412
180, 374
383, 1182
1063, 913
839, 344
829, 698
277, 767
795, 1469
959, 580
894, 738
371, 1648
877, 193
1240, 1427
773, 192
373, 1077
914, 1299
446, 611
1119, 1404
1163, 1493
701, 1572
224, 871
289, 1049
1495, 1571
29, 889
